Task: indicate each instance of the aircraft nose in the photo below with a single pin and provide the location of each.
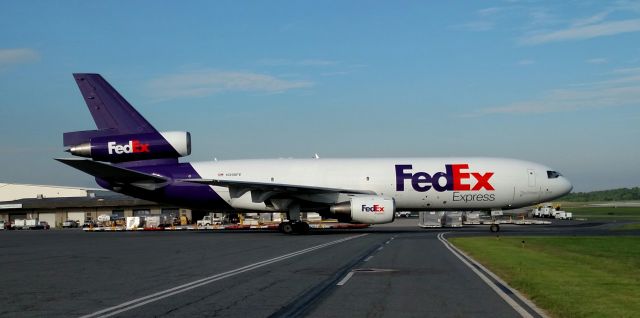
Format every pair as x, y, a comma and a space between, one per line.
565, 186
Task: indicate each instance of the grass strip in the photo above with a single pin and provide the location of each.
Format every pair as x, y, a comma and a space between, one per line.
619, 213
566, 276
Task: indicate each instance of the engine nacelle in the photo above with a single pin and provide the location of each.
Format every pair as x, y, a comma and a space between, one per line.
132, 147
369, 209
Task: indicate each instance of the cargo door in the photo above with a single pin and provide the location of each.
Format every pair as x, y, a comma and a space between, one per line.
533, 187
49, 218
76, 216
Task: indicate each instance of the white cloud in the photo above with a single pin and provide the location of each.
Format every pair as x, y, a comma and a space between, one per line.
208, 82
630, 70
489, 11
600, 16
17, 56
484, 20
621, 90
582, 32
598, 60
477, 26
541, 17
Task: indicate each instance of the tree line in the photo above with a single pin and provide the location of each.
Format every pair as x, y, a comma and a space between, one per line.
622, 194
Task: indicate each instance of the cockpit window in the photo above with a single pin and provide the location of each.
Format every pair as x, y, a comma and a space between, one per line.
553, 174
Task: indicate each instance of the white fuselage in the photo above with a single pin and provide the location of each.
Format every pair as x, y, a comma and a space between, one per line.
414, 183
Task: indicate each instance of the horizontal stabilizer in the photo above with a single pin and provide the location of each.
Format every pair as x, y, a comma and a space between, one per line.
116, 175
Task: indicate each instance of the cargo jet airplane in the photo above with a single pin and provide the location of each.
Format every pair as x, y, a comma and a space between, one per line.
128, 155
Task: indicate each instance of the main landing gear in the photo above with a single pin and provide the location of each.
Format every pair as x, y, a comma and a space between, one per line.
494, 228
294, 224
291, 227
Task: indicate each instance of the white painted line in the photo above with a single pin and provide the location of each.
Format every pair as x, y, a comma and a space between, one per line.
345, 279
487, 281
380, 248
368, 258
499, 280
126, 306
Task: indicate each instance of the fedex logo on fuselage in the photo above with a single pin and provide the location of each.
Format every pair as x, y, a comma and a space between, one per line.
375, 208
134, 146
457, 178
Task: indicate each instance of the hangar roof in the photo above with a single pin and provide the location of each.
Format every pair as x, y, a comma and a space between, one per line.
113, 200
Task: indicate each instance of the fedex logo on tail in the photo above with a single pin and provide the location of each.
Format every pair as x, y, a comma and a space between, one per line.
375, 208
134, 146
457, 178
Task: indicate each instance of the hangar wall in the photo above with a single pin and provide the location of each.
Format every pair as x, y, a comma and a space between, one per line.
55, 204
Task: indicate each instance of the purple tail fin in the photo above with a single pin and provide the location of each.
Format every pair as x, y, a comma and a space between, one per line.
123, 135
112, 114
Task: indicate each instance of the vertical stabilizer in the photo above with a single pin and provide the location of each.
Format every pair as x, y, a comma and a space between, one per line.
112, 113
109, 109
123, 135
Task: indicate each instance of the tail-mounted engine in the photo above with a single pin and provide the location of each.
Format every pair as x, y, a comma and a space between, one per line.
119, 148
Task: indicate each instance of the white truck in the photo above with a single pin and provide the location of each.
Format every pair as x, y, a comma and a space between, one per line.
563, 215
30, 224
21, 224
209, 220
548, 211
545, 211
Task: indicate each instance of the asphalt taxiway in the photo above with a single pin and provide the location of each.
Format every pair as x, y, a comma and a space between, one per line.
396, 270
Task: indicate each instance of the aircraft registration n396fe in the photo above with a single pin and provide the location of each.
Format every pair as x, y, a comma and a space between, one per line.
130, 156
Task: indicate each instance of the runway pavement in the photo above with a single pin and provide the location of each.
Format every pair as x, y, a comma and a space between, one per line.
396, 270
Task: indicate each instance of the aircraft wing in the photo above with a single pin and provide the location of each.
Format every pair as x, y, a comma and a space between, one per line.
238, 188
116, 174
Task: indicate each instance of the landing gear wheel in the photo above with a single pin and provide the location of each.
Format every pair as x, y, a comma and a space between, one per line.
494, 228
301, 227
286, 227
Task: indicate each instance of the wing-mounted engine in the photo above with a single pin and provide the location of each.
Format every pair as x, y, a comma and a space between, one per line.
130, 147
370, 209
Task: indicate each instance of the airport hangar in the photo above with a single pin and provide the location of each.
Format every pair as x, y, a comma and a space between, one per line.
56, 204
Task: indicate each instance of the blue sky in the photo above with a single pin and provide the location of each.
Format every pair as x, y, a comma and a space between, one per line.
553, 82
